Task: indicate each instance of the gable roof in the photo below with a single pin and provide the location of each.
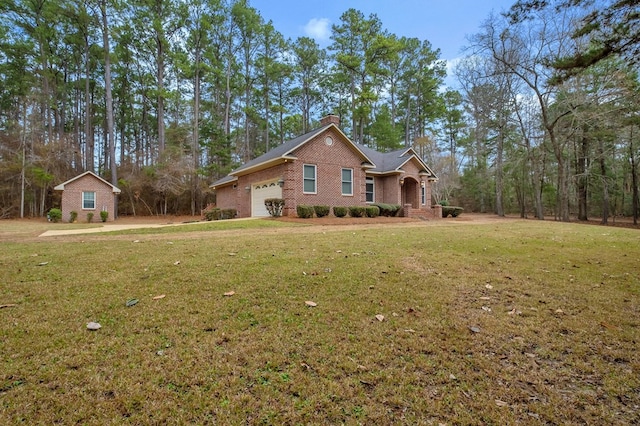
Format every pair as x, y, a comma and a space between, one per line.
284, 152
392, 162
60, 187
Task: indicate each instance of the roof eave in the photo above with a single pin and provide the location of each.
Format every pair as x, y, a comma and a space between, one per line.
215, 186
264, 165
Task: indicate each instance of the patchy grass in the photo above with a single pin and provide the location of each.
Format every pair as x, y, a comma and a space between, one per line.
556, 306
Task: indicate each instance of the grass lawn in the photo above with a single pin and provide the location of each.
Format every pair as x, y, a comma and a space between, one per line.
500, 323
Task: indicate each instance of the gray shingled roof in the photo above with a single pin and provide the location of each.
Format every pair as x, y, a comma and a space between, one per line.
391, 161
279, 151
381, 162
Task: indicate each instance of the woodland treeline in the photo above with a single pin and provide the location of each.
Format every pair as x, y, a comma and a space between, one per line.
162, 97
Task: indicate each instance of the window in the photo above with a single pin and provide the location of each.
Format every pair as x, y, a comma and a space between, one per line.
369, 190
309, 179
347, 182
423, 194
89, 200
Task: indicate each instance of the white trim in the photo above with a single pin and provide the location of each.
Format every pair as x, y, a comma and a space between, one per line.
95, 201
315, 179
373, 192
342, 181
60, 187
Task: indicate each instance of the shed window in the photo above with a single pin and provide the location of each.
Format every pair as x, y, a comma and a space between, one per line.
347, 182
309, 179
89, 200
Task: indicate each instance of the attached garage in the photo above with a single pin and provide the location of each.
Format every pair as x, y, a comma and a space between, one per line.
260, 192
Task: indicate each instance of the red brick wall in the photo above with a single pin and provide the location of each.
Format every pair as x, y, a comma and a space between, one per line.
329, 162
243, 197
72, 199
226, 197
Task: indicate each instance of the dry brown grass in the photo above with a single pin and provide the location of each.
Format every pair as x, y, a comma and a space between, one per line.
556, 343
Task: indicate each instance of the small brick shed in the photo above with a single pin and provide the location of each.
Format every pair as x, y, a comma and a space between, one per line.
88, 193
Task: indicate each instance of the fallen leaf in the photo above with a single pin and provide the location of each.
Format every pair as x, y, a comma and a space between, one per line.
310, 303
500, 403
486, 309
559, 311
8, 305
233, 254
131, 302
177, 262
93, 326
43, 263
452, 377
609, 326
162, 296
474, 329
136, 241
230, 293
380, 317
489, 286
485, 298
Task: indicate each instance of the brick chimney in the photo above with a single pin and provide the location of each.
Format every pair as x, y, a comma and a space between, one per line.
328, 119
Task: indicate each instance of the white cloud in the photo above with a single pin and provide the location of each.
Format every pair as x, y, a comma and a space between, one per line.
318, 28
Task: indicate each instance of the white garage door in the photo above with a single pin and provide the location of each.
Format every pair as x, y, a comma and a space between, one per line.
260, 192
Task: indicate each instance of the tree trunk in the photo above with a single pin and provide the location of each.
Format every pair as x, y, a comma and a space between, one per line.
160, 82
196, 134
499, 174
582, 166
605, 183
634, 180
88, 134
109, 102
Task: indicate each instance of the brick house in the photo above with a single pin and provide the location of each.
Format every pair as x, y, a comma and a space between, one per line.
87, 193
324, 167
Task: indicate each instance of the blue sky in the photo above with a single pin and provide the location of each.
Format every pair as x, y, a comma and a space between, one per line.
445, 23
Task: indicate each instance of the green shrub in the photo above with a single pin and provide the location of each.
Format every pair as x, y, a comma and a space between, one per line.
372, 211
339, 211
104, 215
73, 215
304, 211
219, 214
274, 206
228, 213
451, 210
321, 211
444, 203
212, 214
388, 209
356, 211
54, 215
89, 217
